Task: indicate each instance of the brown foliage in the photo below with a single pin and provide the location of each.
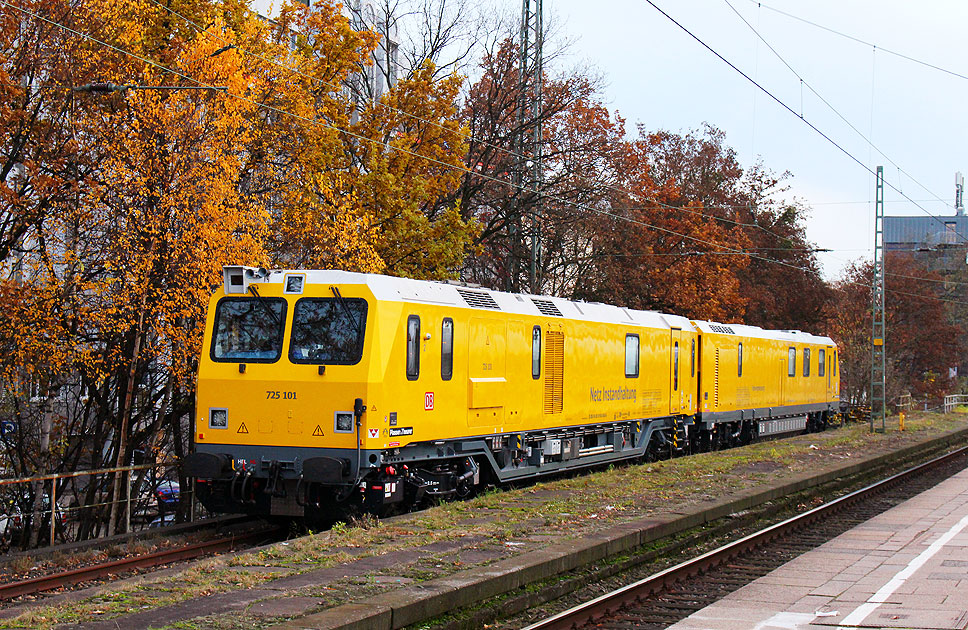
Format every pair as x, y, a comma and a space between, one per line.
921, 345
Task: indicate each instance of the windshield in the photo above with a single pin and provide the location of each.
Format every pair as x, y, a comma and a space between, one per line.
249, 329
328, 330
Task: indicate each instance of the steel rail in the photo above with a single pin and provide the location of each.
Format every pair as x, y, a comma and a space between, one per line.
50, 582
611, 602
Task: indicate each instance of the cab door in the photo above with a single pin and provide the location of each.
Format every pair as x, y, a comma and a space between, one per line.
829, 355
675, 380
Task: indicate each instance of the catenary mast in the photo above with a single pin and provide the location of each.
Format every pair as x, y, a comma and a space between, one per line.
528, 147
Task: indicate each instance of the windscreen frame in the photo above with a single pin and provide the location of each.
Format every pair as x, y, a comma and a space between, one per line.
341, 304
260, 302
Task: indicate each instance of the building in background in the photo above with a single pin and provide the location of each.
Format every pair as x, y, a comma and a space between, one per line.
940, 243
377, 76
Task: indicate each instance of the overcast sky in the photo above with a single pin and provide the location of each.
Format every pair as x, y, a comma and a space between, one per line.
658, 75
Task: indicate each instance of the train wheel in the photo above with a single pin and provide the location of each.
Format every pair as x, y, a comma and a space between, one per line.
705, 441
654, 450
746, 433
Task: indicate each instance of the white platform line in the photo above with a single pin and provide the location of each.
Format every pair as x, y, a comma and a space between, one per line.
878, 598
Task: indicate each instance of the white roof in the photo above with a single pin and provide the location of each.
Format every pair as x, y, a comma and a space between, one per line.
459, 295
742, 330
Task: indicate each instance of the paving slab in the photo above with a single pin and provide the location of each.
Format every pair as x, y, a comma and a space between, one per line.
284, 606
912, 580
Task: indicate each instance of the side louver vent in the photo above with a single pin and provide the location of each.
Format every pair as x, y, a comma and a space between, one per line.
726, 330
478, 299
547, 307
554, 391
716, 382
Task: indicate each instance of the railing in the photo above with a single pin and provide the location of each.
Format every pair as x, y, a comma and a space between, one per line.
138, 502
953, 401
904, 402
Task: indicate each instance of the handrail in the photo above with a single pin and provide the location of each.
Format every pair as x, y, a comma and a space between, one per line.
954, 400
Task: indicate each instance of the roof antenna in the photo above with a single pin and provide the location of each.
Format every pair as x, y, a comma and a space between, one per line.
959, 189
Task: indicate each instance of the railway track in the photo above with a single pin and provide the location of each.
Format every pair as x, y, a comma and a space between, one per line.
122, 566
673, 594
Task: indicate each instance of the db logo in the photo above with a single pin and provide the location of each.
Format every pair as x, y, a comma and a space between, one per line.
429, 401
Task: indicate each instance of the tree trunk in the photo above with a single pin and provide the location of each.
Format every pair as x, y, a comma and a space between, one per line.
38, 486
125, 421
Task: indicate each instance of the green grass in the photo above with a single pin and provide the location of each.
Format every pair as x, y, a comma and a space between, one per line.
571, 507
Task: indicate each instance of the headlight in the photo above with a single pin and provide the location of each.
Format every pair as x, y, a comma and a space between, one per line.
218, 418
344, 422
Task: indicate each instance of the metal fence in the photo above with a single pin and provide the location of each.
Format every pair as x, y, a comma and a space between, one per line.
78, 505
953, 401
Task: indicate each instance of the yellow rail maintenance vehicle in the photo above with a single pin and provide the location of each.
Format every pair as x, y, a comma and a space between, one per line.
323, 389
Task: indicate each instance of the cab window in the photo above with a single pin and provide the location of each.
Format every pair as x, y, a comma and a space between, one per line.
328, 331
447, 349
692, 359
249, 329
675, 367
631, 356
806, 361
536, 352
413, 347
792, 361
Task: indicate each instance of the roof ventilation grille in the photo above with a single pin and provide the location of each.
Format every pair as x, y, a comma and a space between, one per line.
478, 299
726, 330
547, 307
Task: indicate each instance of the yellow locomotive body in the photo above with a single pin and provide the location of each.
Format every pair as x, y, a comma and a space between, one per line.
318, 387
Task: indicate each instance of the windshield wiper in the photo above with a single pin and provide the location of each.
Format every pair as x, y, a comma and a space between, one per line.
265, 304
346, 308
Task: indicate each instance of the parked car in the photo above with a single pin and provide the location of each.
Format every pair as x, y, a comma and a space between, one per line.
13, 519
162, 521
167, 493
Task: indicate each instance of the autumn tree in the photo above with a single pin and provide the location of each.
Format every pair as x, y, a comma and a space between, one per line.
921, 346
668, 221
39, 170
661, 247
356, 184
120, 206
579, 137
783, 280
697, 234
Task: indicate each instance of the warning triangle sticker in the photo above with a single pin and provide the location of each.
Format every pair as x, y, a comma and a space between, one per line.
318, 432
242, 429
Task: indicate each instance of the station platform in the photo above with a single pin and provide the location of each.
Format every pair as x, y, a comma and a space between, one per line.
906, 568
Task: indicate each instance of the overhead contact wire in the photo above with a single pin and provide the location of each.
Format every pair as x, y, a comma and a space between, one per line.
792, 111
724, 248
660, 205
